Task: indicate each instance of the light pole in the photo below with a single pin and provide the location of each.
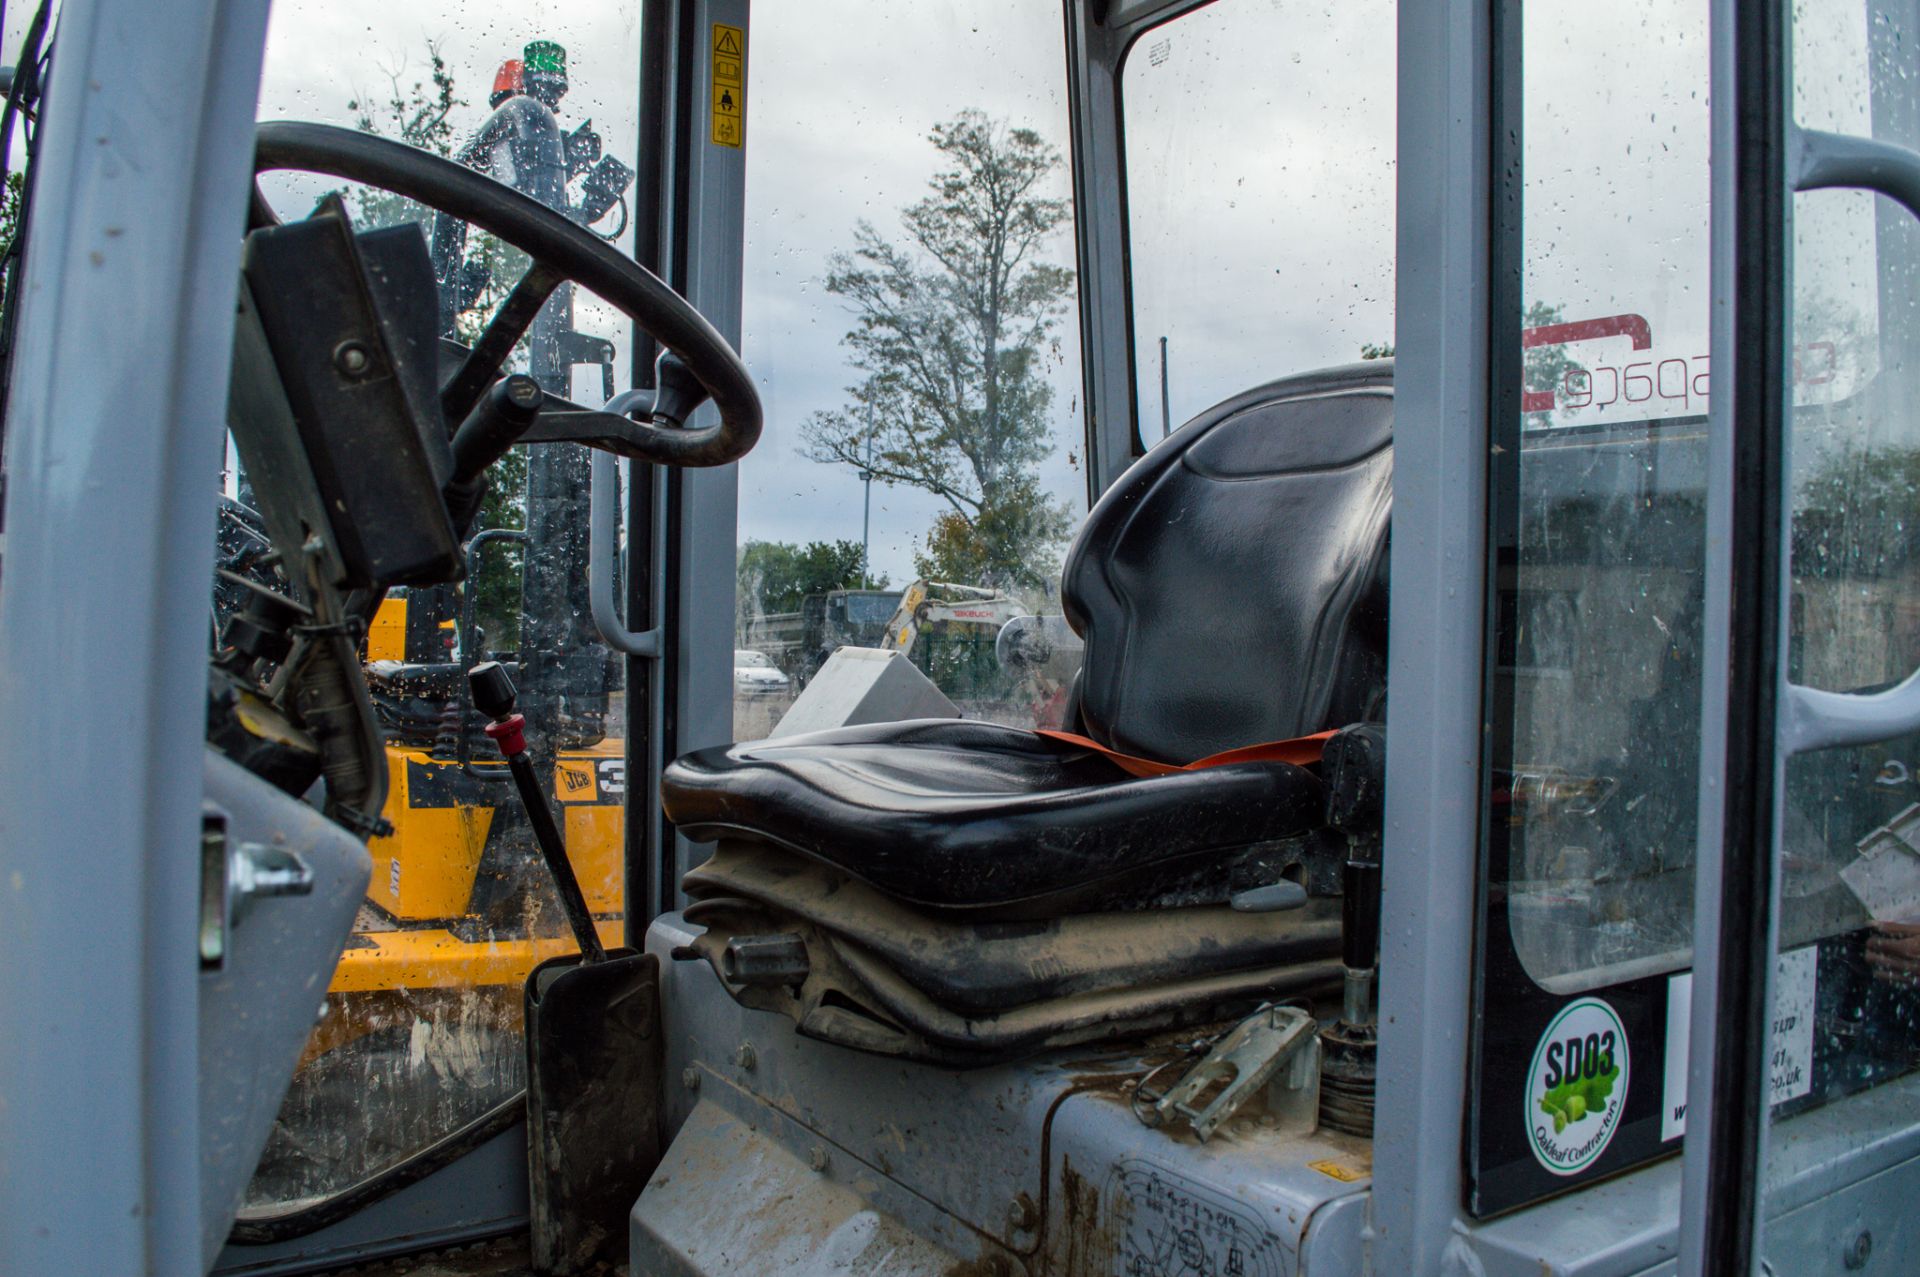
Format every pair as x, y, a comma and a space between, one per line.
866, 503
1166, 411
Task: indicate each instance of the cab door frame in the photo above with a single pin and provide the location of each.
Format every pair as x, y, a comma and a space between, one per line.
1456, 329
1758, 719
1439, 552
682, 524
1443, 297
1099, 33
103, 629
1438, 617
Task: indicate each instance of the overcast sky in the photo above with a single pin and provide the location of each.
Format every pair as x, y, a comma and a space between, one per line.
1260, 188
1261, 178
841, 97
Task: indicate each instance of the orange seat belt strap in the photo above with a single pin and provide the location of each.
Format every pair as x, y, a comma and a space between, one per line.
1301, 751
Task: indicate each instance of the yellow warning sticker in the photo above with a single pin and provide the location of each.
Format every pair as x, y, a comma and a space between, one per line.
573, 781
1335, 1170
729, 86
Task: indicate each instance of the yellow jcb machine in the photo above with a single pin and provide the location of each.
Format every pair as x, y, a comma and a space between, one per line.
428, 996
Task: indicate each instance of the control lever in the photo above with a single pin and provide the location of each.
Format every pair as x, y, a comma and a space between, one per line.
495, 425
494, 696
1354, 764
594, 1050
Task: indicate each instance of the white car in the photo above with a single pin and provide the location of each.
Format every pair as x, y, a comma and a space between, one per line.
754, 674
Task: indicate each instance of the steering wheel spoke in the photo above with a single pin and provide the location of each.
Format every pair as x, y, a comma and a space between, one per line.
489, 355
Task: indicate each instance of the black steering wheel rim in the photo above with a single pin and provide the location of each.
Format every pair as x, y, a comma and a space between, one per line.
551, 240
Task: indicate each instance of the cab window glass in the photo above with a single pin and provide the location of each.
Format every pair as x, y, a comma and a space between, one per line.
420, 1033
909, 320
1847, 982
1599, 503
1260, 198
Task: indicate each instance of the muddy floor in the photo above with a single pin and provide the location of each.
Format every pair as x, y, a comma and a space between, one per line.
500, 1257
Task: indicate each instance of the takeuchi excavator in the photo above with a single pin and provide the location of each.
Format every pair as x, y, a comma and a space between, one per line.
937, 606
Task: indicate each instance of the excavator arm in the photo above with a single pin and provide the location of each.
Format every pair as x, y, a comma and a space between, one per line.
930, 602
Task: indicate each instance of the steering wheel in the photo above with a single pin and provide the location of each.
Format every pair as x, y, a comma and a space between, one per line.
561, 251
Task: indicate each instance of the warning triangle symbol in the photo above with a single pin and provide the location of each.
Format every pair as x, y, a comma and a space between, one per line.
727, 45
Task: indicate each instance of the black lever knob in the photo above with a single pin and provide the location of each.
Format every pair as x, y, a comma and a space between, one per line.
504, 413
493, 690
677, 392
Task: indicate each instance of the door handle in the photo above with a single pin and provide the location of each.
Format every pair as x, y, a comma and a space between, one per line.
1811, 718
603, 516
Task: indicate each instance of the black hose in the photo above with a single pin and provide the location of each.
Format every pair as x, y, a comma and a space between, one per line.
614, 235
264, 1230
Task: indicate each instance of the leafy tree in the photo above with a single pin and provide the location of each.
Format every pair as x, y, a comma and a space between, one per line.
10, 209
1855, 515
1376, 350
952, 331
1545, 368
985, 547
422, 114
775, 576
417, 114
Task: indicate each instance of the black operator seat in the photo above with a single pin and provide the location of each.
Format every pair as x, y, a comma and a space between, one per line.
1230, 589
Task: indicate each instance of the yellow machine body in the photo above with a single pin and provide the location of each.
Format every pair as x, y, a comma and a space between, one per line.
424, 873
419, 930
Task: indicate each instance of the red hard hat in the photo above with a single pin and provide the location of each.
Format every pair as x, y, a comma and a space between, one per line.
507, 81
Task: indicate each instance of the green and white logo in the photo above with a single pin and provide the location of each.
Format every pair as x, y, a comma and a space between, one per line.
1577, 1086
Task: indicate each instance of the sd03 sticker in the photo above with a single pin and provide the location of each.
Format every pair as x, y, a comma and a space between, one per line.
1577, 1086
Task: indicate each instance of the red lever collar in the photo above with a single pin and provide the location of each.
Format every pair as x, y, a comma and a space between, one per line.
509, 734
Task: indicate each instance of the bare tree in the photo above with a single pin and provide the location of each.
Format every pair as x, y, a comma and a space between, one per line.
953, 330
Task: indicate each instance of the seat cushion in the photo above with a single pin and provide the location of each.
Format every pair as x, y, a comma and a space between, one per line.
964, 815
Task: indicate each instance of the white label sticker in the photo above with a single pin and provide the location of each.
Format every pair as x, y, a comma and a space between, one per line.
1790, 1070
1886, 874
1165, 1223
1790, 1067
393, 877
1577, 1086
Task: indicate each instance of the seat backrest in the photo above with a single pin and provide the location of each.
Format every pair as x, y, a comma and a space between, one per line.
1231, 588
